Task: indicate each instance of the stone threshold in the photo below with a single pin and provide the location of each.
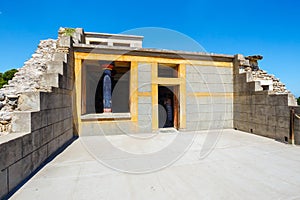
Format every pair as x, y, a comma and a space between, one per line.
106, 116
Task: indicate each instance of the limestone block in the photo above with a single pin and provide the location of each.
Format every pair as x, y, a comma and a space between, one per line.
194, 117
53, 145
197, 108
281, 134
144, 77
283, 111
259, 119
68, 124
10, 152
39, 156
3, 181
21, 121
50, 80
260, 99
31, 142
46, 134
260, 110
271, 120
145, 87
254, 86
60, 56
196, 78
19, 171
283, 122
145, 100
58, 67
191, 99
144, 67
144, 117
65, 41
145, 109
58, 128
29, 101
44, 118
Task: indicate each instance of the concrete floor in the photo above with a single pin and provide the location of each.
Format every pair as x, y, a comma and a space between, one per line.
229, 165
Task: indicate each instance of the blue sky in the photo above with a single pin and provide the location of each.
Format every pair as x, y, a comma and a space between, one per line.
268, 28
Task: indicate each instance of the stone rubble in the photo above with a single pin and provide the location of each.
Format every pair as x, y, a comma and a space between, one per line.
250, 64
27, 79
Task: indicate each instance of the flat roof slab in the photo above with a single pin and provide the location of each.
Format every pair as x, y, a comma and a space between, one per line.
220, 164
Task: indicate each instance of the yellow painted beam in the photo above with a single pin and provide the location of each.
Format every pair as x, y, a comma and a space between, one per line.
128, 58
208, 94
144, 94
167, 81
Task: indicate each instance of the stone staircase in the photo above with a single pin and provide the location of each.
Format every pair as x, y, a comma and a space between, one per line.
36, 118
262, 103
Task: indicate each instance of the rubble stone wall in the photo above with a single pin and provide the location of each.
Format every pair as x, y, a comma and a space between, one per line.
265, 113
42, 121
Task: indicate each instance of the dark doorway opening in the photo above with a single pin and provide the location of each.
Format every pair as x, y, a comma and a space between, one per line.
168, 106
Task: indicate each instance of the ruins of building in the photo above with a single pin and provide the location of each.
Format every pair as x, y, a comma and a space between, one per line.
59, 93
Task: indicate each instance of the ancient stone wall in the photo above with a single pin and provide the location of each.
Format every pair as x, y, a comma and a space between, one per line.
209, 91
297, 125
259, 111
41, 118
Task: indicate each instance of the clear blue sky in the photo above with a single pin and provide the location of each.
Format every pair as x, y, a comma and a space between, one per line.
270, 28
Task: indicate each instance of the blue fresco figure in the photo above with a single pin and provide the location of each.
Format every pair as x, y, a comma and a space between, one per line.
107, 104
104, 103
169, 109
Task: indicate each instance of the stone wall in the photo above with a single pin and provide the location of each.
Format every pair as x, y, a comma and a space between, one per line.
144, 102
209, 102
265, 113
42, 122
297, 125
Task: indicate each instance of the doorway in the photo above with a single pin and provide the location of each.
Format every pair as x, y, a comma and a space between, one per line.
168, 106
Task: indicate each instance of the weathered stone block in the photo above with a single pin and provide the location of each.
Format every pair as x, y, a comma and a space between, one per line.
282, 134
19, 171
4, 182
145, 100
58, 67
144, 117
59, 56
29, 101
283, 122
46, 134
39, 156
51, 80
58, 128
145, 109
21, 121
31, 142
10, 152
68, 124
144, 67
283, 111
145, 87
144, 77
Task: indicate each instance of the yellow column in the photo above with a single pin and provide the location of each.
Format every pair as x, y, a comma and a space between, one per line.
134, 91
77, 95
182, 100
154, 97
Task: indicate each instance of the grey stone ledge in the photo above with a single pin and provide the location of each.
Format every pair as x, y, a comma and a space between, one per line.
106, 116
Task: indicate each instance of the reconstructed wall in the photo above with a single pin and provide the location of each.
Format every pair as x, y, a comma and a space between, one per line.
297, 125
209, 102
260, 112
42, 122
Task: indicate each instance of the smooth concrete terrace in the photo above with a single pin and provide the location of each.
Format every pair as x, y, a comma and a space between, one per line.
220, 164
